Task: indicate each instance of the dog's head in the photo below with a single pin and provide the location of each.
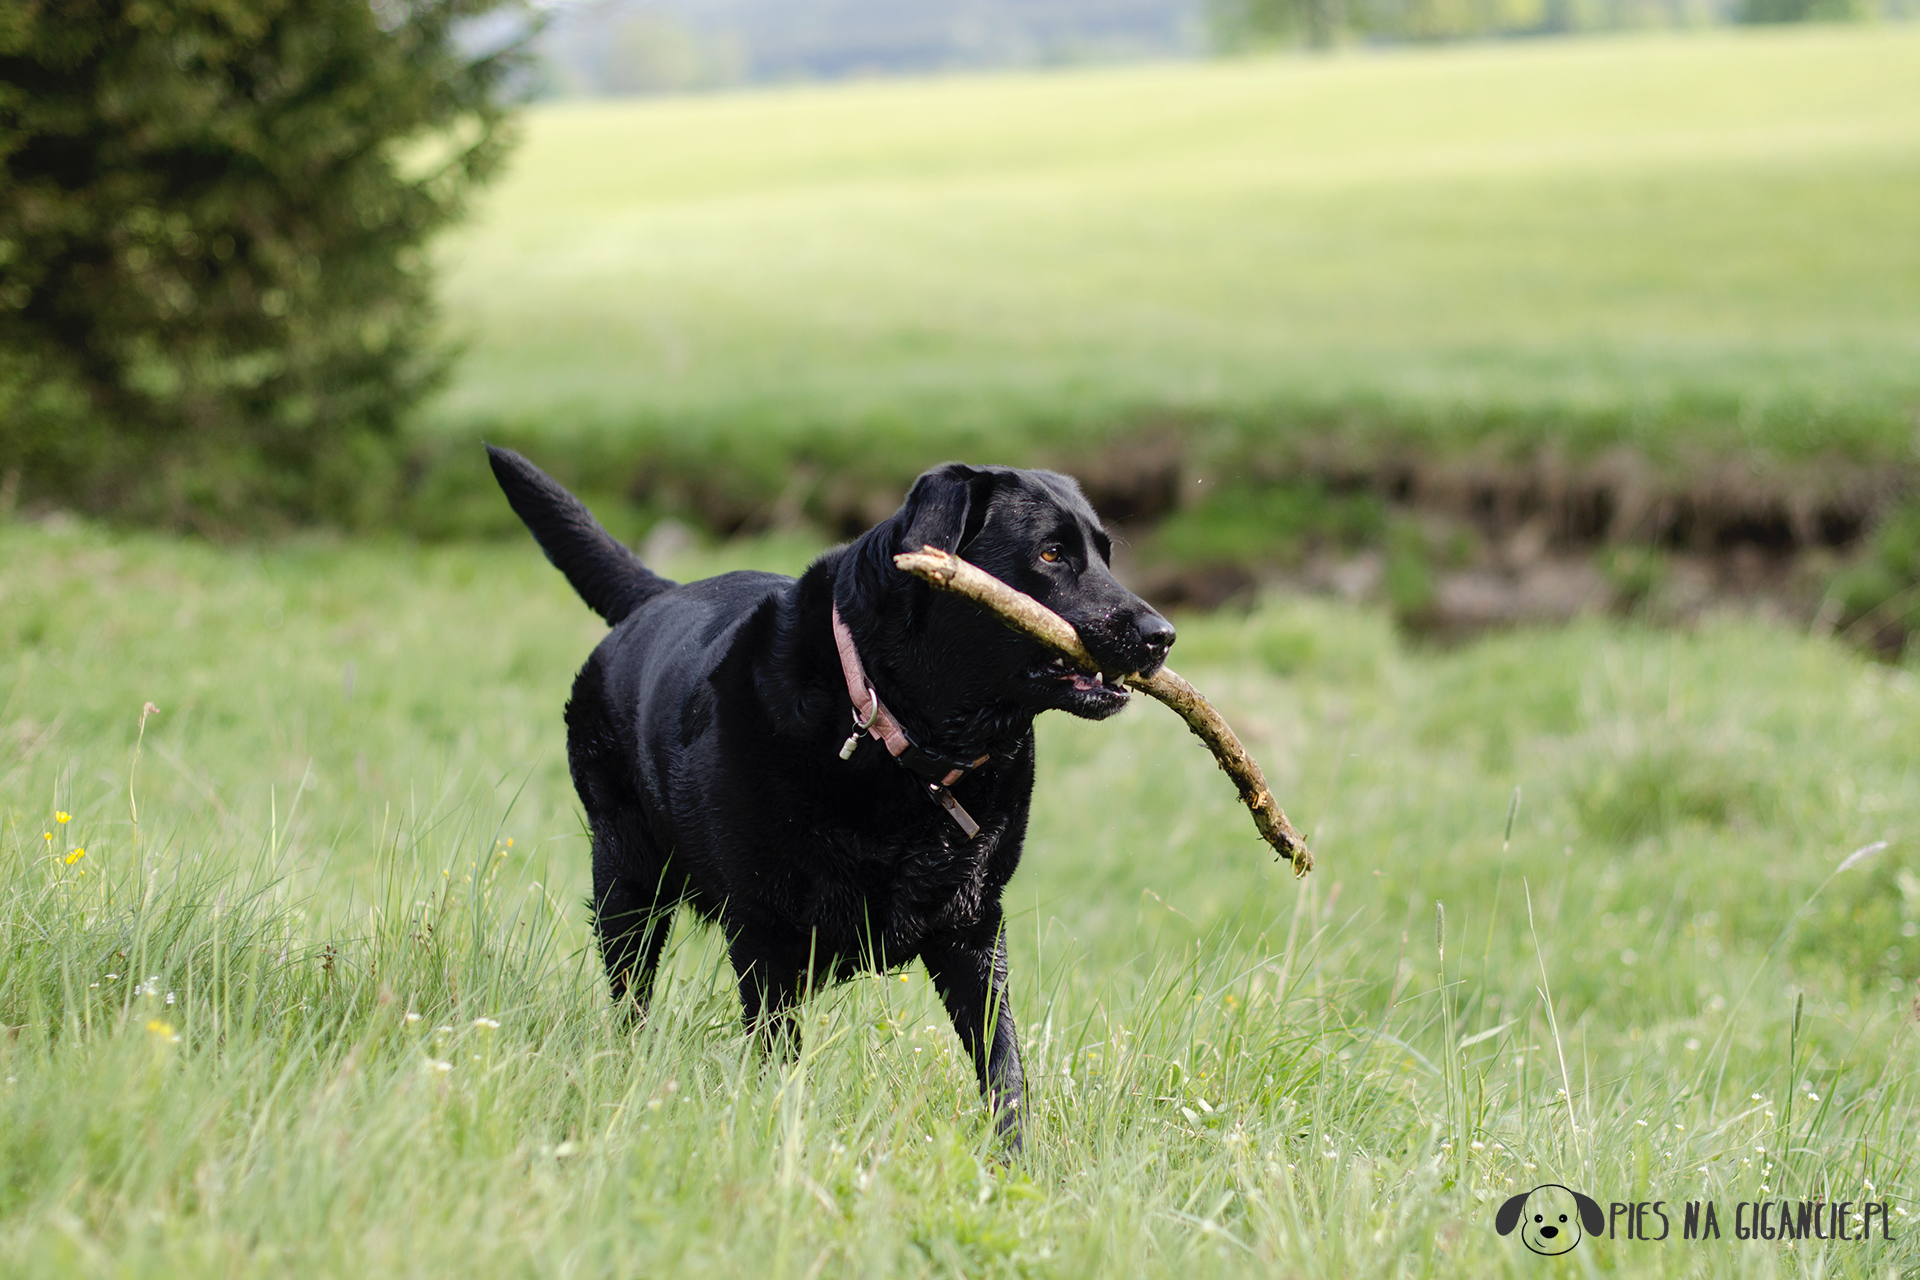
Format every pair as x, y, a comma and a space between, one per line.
1035, 531
1550, 1218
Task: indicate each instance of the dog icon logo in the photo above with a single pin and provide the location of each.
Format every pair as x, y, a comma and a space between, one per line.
1550, 1218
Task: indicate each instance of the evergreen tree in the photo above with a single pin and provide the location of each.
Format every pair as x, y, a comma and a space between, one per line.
215, 306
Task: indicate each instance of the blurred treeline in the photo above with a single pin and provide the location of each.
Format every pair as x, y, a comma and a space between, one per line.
615, 47
215, 307
1322, 23
619, 47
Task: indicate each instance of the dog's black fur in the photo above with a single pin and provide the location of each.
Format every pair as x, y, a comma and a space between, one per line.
704, 737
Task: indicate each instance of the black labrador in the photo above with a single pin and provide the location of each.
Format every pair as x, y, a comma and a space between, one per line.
836, 768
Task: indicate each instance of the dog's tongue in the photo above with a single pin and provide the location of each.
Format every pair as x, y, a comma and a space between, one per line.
1083, 684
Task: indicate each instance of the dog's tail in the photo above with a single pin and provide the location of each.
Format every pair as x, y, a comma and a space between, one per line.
608, 577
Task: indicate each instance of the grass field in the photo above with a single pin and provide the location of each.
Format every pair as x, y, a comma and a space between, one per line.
330, 1009
1692, 244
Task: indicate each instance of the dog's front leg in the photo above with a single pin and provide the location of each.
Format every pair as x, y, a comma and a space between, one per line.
972, 980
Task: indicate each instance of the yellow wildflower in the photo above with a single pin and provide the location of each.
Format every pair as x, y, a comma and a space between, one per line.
164, 1030
63, 817
75, 856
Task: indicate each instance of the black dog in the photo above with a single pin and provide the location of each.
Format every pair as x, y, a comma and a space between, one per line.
716, 738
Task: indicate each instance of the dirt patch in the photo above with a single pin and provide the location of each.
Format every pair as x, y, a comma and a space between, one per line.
1453, 544
1136, 481
1503, 542
1710, 506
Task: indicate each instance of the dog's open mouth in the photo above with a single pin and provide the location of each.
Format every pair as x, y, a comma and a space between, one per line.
1082, 692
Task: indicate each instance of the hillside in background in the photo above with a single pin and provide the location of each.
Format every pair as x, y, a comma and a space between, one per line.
1652, 289
1588, 241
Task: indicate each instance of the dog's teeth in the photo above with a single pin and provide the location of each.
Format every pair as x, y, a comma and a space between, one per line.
1099, 677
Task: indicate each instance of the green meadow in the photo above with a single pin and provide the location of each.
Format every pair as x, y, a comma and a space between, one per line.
295, 970
1693, 244
298, 981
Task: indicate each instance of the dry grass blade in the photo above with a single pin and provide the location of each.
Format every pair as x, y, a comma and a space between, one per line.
1025, 614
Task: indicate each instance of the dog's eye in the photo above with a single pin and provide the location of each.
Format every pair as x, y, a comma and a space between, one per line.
1051, 555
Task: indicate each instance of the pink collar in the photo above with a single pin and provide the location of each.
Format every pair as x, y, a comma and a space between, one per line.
870, 716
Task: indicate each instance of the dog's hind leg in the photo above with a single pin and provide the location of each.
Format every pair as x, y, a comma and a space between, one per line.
771, 984
632, 914
972, 981
633, 928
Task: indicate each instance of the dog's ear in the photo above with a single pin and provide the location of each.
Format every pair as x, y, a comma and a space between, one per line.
1509, 1216
945, 508
1590, 1216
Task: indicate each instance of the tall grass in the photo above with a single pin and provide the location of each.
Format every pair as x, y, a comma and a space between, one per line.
367, 1036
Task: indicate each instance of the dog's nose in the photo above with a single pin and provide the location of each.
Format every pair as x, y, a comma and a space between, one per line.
1156, 633
1549, 1232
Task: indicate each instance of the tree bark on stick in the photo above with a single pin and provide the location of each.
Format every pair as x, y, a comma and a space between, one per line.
1025, 614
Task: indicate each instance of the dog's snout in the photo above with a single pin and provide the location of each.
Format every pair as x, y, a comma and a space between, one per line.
1156, 633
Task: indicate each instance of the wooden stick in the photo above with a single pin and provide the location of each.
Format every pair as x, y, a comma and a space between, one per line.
1025, 614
